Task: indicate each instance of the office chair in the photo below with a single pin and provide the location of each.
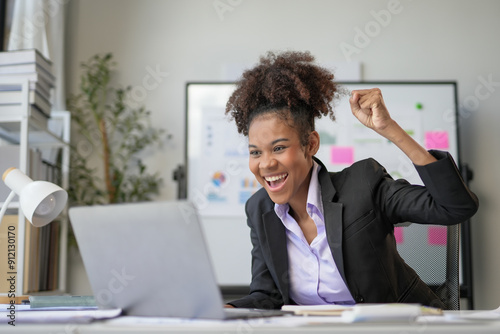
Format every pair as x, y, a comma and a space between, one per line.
437, 265
449, 291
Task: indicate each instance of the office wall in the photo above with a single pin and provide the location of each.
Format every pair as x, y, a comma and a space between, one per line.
159, 45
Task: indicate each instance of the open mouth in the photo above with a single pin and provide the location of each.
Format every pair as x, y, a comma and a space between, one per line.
276, 181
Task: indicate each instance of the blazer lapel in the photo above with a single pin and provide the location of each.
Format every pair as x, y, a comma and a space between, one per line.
276, 242
333, 226
333, 217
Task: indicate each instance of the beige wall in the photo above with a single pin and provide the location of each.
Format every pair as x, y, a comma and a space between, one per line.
423, 40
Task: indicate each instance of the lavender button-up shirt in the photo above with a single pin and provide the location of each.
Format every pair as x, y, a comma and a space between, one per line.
314, 277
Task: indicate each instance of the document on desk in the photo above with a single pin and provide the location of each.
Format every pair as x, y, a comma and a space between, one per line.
383, 313
476, 315
362, 312
331, 310
54, 315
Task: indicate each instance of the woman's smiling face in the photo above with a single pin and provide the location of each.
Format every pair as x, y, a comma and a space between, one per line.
278, 160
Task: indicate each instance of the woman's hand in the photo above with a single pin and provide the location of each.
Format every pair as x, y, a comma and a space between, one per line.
368, 106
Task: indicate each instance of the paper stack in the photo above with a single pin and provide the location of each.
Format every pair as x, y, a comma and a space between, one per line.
30, 65
366, 312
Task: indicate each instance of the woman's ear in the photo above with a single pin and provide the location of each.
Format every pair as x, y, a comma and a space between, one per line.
313, 145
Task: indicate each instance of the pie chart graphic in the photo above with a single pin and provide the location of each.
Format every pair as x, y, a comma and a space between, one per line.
218, 179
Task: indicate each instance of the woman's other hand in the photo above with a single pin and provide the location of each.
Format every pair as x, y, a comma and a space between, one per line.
368, 106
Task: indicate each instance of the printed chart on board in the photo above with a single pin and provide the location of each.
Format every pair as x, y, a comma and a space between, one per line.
219, 181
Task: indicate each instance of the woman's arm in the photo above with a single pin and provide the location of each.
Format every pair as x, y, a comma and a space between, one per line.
264, 294
445, 198
369, 108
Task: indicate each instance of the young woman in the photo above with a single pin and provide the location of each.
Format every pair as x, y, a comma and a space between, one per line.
327, 238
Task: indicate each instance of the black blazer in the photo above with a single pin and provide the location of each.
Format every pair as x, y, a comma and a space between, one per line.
361, 205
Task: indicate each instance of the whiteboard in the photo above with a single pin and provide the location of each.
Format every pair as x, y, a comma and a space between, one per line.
219, 181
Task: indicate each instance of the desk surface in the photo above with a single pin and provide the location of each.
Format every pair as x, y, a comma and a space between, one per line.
427, 325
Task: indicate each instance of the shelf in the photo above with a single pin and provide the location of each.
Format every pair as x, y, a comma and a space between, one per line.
10, 130
35, 137
29, 128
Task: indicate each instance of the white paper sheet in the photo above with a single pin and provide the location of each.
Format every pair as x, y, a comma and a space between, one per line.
23, 314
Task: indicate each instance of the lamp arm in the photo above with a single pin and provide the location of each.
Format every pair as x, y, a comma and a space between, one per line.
6, 205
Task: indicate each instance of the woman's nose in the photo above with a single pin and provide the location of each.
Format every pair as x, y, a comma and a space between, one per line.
267, 162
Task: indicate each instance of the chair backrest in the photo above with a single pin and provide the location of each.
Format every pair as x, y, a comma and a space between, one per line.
449, 291
434, 253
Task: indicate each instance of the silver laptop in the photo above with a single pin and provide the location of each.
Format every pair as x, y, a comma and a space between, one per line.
150, 259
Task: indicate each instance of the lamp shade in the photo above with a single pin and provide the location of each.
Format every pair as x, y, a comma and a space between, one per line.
40, 201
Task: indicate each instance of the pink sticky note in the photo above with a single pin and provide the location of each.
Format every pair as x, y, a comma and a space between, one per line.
342, 155
436, 139
436, 235
398, 233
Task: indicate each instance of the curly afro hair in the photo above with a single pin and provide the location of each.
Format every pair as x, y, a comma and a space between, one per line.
287, 83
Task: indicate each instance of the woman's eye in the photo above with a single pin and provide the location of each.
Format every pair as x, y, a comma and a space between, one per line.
279, 148
254, 153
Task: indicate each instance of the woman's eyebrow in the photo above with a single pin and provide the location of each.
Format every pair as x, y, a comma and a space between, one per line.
272, 143
279, 140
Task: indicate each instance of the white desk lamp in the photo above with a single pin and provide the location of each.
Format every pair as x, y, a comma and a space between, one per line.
40, 201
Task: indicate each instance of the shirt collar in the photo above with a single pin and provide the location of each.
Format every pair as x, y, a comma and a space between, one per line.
314, 192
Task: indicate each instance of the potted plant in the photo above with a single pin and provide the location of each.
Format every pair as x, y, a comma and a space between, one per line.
109, 137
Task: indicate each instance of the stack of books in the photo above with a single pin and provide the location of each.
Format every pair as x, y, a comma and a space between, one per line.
30, 65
